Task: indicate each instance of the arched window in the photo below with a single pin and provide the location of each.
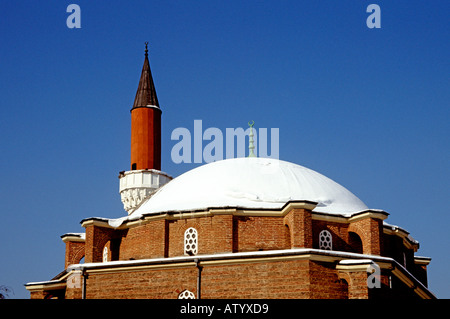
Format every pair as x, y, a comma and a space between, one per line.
190, 241
287, 237
355, 242
325, 240
105, 254
186, 294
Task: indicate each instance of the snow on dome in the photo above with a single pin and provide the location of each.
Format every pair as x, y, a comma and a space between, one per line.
256, 183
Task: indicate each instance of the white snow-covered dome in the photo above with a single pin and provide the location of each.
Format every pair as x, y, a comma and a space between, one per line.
256, 183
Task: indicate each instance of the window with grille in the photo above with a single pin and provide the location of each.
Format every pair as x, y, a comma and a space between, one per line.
190, 241
325, 240
186, 294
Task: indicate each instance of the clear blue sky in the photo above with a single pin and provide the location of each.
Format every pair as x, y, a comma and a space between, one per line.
368, 108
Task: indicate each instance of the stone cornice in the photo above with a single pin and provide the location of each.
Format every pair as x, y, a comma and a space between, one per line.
103, 222
408, 241
71, 237
307, 205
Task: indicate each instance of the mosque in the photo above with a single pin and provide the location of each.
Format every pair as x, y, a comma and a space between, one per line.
236, 228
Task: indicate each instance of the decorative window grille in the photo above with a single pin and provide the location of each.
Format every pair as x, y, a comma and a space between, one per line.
105, 254
186, 294
325, 240
190, 241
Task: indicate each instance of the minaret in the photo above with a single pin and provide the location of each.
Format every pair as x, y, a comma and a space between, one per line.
146, 123
145, 174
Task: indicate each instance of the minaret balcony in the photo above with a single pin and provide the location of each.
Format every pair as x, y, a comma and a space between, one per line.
138, 185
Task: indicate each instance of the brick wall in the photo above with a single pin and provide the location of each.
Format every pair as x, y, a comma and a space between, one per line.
224, 233
279, 279
215, 234
299, 279
264, 278
155, 284
325, 282
339, 233
260, 233
144, 241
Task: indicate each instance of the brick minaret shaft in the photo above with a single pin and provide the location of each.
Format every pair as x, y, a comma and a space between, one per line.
146, 123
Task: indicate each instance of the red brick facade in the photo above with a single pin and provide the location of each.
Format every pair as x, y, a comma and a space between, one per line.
146, 251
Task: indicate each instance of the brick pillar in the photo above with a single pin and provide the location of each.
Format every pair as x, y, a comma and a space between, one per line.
96, 239
74, 252
38, 294
370, 230
299, 222
74, 285
222, 233
357, 284
376, 231
156, 237
361, 276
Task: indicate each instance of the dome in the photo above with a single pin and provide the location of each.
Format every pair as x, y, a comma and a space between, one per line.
253, 183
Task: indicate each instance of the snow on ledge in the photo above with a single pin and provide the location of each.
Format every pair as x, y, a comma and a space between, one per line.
240, 255
356, 262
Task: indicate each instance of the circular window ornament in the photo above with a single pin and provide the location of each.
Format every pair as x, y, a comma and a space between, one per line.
325, 240
186, 294
190, 241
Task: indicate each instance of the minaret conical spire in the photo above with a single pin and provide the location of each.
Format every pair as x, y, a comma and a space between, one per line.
146, 123
146, 92
144, 176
